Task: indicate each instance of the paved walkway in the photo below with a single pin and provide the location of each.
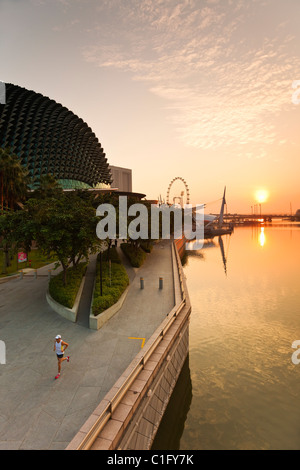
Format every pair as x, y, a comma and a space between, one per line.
39, 412
84, 306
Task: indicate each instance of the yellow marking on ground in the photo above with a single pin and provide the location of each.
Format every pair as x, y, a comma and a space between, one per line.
143, 340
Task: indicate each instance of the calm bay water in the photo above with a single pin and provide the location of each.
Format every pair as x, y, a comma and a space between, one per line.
239, 388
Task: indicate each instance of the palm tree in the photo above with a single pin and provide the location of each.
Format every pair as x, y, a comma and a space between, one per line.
14, 180
48, 187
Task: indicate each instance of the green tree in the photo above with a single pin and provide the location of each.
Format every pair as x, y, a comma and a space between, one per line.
48, 187
17, 231
14, 180
7, 238
66, 226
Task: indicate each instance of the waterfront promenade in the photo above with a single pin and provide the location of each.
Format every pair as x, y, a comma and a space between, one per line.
39, 412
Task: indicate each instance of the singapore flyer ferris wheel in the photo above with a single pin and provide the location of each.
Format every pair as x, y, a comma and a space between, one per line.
184, 197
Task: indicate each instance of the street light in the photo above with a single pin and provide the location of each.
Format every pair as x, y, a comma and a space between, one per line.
101, 273
101, 251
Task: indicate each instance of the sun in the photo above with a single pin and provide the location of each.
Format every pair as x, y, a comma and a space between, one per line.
261, 195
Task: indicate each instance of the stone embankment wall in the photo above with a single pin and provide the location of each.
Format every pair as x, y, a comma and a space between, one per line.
141, 431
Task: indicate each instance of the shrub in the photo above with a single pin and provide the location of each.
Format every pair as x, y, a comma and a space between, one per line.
135, 255
113, 255
147, 246
112, 286
66, 295
102, 303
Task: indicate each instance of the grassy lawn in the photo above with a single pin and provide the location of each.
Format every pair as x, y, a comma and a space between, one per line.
35, 256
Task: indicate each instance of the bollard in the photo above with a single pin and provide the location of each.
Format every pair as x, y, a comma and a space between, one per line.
142, 282
35, 273
161, 282
49, 274
21, 274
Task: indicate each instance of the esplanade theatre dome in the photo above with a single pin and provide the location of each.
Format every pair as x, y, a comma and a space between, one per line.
50, 139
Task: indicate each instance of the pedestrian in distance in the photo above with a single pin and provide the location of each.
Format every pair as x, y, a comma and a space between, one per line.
59, 347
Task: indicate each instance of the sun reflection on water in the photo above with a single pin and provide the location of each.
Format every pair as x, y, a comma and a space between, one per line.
262, 236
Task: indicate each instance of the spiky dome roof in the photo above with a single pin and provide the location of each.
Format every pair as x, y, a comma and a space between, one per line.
50, 139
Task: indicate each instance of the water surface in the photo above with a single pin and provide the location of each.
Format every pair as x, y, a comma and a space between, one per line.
245, 317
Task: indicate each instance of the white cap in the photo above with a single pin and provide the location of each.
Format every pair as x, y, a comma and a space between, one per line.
57, 337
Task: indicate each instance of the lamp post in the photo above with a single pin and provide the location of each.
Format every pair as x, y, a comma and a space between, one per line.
101, 251
100, 272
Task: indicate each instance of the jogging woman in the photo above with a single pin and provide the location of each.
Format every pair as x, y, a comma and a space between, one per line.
60, 347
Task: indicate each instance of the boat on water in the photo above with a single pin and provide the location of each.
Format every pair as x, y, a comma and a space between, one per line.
209, 219
214, 225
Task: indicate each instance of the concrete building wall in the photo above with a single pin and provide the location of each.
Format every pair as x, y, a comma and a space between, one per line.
121, 178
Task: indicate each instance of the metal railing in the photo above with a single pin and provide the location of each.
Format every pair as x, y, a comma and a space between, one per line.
106, 414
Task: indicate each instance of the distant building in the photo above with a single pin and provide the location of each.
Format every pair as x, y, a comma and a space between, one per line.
121, 178
297, 215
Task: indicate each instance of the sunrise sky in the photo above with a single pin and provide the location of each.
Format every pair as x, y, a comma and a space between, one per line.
200, 89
